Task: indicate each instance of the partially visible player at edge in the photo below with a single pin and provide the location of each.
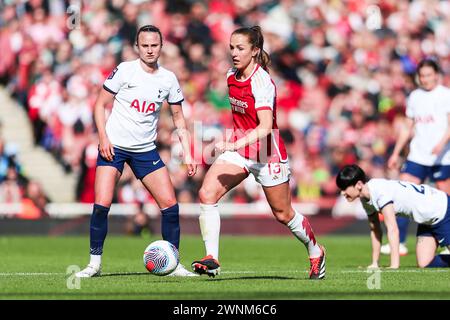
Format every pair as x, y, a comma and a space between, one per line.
255, 148
427, 206
138, 88
428, 123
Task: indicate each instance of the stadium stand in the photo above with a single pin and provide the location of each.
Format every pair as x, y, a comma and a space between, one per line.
343, 70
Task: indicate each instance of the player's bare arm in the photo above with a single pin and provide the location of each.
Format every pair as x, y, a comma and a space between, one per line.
264, 128
443, 142
183, 134
376, 235
404, 136
105, 147
393, 234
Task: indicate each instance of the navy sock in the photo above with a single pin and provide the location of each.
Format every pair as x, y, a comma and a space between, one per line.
98, 229
403, 224
170, 225
440, 261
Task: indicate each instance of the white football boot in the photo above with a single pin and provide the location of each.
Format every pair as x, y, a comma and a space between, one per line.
181, 271
90, 271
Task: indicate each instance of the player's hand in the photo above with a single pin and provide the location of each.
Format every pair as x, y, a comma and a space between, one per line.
106, 149
191, 165
393, 162
223, 146
192, 169
437, 150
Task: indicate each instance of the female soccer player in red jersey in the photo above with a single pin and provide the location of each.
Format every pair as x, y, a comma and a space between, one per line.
255, 148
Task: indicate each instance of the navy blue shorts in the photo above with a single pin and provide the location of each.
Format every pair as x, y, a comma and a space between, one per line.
440, 231
435, 173
142, 163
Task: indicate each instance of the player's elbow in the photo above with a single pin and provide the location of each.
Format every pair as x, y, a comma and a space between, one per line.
264, 130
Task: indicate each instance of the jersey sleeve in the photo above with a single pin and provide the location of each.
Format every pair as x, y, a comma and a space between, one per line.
175, 93
264, 93
115, 80
379, 195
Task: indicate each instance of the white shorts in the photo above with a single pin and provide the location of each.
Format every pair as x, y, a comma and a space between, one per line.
267, 174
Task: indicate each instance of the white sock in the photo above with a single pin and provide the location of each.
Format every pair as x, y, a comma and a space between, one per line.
96, 260
210, 227
301, 229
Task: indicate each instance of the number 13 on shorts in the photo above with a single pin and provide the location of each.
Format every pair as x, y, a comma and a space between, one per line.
274, 168
278, 170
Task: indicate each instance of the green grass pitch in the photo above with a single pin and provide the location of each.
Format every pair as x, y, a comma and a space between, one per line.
268, 268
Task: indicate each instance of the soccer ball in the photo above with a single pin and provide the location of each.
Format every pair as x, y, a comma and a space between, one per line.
161, 257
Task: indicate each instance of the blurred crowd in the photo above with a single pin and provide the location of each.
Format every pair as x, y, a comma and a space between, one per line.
343, 71
16, 188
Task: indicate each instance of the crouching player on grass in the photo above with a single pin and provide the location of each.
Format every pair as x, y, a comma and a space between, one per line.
425, 205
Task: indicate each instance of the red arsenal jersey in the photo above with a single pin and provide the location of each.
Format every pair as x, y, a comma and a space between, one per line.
257, 92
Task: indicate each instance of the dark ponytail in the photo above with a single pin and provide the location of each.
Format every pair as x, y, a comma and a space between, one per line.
256, 39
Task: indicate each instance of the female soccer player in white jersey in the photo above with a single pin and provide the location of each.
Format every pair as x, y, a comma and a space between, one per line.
427, 120
427, 206
138, 89
255, 148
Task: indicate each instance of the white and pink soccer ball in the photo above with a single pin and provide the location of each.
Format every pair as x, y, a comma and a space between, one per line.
161, 257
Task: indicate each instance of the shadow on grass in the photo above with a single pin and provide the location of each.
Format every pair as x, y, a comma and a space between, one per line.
125, 274
255, 278
122, 274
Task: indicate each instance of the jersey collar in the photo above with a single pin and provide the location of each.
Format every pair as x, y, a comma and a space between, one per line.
246, 79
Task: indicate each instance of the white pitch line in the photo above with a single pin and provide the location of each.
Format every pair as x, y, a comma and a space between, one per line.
25, 274
5, 274
341, 271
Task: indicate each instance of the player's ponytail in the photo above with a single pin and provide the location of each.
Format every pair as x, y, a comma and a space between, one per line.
256, 39
263, 57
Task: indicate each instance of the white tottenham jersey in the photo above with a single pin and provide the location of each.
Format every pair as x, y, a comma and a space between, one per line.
422, 203
429, 111
139, 96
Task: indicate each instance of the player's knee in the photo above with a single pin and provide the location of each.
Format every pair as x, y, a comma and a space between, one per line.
443, 185
282, 216
169, 202
207, 195
104, 201
104, 196
166, 197
422, 264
